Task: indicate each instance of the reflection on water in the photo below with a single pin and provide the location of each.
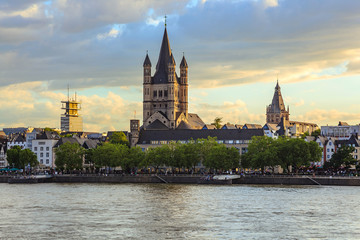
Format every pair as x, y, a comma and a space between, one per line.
165, 211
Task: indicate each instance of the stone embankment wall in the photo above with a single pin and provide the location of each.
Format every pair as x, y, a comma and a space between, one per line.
189, 179
300, 180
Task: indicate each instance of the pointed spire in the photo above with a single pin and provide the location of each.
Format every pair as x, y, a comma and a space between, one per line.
172, 60
278, 102
183, 62
165, 53
277, 85
147, 61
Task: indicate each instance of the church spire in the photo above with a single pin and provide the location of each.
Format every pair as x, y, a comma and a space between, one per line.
278, 101
165, 53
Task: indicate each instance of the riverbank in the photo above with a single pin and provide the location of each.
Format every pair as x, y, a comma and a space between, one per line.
199, 179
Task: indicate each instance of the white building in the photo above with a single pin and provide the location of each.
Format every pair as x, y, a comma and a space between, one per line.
16, 140
43, 148
342, 132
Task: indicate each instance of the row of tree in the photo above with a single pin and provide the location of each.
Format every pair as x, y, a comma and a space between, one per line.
265, 152
178, 156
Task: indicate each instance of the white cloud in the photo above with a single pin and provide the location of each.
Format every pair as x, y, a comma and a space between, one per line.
270, 3
114, 32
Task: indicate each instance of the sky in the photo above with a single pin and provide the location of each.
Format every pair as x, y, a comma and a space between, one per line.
235, 49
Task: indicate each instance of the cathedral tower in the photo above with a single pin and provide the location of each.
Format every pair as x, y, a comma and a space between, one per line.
276, 110
165, 95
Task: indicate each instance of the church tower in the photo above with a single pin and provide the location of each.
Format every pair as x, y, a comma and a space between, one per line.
165, 95
276, 111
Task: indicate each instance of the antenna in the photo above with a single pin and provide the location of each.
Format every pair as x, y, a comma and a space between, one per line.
165, 19
135, 114
75, 96
68, 88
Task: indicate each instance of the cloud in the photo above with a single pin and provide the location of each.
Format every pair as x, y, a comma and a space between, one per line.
114, 32
331, 117
32, 104
232, 112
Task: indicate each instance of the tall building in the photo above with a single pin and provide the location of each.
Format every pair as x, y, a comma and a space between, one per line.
165, 94
71, 121
276, 111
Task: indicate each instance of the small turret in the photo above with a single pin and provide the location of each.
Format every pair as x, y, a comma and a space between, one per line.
147, 69
184, 71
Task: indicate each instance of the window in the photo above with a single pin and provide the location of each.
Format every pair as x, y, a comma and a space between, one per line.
47, 161
41, 148
155, 93
160, 93
328, 150
47, 148
41, 154
35, 148
41, 143
237, 141
329, 143
165, 93
41, 161
47, 154
328, 156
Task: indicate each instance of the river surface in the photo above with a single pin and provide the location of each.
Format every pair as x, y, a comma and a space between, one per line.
165, 211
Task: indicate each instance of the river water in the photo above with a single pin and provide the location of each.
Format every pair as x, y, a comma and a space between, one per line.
165, 211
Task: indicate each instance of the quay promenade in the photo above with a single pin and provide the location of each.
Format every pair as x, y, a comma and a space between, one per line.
196, 179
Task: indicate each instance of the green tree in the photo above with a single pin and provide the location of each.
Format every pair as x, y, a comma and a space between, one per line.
191, 155
343, 157
27, 157
107, 155
135, 158
119, 138
13, 157
217, 122
69, 156
262, 152
316, 133
157, 157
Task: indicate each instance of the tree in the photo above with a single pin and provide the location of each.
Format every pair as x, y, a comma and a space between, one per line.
119, 138
217, 122
343, 157
135, 158
27, 157
316, 133
107, 155
13, 157
69, 156
262, 152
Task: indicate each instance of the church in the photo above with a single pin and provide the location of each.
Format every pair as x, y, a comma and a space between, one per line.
165, 94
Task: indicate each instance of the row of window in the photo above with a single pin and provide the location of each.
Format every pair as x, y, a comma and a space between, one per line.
219, 141
42, 161
41, 148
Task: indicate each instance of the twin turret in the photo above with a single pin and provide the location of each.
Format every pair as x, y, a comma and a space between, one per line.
171, 73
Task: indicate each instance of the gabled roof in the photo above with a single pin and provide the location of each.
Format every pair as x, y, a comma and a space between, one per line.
69, 140
182, 135
252, 126
208, 126
271, 126
48, 135
157, 125
228, 126
195, 121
